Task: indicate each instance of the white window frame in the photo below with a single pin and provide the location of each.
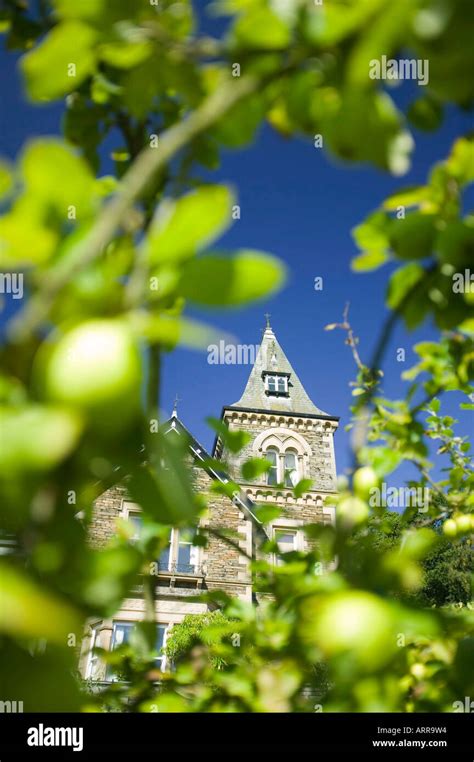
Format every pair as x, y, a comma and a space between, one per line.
281, 465
276, 378
133, 622
129, 508
93, 660
287, 525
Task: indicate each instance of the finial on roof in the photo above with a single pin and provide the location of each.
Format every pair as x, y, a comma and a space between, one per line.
177, 399
267, 317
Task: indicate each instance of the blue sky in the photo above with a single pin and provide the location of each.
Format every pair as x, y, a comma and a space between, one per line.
301, 206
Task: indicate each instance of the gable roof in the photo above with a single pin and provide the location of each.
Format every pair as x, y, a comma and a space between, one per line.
199, 453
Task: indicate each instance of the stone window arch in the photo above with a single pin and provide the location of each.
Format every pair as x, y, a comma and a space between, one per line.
289, 453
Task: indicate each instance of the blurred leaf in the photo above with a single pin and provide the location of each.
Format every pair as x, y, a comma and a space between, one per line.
218, 281
413, 237
187, 225
261, 28
255, 467
304, 485
6, 178
56, 177
233, 440
369, 260
402, 281
61, 62
426, 114
30, 611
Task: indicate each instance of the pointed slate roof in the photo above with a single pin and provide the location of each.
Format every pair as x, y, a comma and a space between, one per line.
271, 358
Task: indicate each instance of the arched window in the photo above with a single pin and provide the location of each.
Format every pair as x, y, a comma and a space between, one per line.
272, 475
291, 468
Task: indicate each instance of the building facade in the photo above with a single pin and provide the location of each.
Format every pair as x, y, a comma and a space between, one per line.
285, 427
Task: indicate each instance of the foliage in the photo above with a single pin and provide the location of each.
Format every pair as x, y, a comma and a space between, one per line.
197, 629
447, 569
111, 258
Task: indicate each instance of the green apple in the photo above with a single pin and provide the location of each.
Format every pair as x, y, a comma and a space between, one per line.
463, 523
365, 479
351, 512
450, 528
97, 368
351, 622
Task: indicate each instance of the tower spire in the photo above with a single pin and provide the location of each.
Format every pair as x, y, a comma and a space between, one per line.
273, 383
177, 399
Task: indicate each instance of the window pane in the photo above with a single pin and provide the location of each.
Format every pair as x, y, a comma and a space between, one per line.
272, 384
184, 558
282, 384
285, 540
164, 559
121, 633
165, 556
272, 474
160, 640
136, 519
291, 469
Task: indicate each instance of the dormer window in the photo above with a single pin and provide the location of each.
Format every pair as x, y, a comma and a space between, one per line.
276, 383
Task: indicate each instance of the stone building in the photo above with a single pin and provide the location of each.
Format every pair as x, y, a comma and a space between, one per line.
287, 428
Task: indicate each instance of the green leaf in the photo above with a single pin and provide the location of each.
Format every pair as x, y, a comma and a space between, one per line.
369, 260
304, 485
365, 126
455, 245
56, 177
267, 513
401, 282
231, 281
261, 28
31, 611
382, 459
408, 197
61, 62
171, 331
460, 163
24, 238
372, 234
238, 127
123, 56
183, 227
426, 114
381, 36
255, 467
6, 179
233, 440
413, 237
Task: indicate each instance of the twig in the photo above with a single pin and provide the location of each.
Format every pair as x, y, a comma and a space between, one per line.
147, 165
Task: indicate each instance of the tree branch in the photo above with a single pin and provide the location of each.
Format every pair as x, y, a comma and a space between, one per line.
147, 165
